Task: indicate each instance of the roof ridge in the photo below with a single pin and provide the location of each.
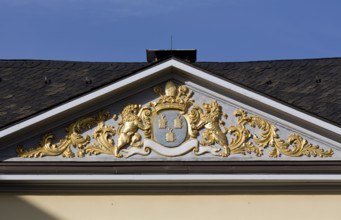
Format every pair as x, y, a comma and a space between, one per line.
277, 60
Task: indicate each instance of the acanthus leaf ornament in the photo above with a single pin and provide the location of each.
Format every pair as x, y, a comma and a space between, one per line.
172, 127
63, 147
103, 135
295, 146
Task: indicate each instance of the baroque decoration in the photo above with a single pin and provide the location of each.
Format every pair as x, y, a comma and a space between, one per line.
173, 127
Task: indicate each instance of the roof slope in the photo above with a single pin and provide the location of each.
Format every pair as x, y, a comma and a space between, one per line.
312, 85
29, 87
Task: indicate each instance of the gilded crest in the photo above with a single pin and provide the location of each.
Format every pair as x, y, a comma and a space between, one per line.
170, 111
173, 126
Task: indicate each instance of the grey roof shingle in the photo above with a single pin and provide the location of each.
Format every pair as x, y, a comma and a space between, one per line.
312, 85
24, 92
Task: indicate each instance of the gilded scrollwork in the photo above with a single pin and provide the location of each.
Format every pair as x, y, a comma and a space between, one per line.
295, 146
172, 123
63, 147
104, 136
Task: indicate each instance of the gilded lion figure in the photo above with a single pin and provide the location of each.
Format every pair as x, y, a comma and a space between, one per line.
211, 121
128, 126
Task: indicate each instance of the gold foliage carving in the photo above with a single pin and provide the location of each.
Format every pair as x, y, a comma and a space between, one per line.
206, 124
103, 135
295, 146
63, 147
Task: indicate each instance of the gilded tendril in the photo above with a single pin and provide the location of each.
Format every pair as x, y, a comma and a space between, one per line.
73, 138
295, 146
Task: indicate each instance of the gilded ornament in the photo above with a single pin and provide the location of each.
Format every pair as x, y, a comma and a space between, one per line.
170, 136
162, 122
210, 120
295, 146
127, 128
73, 138
133, 117
197, 130
104, 136
178, 122
179, 99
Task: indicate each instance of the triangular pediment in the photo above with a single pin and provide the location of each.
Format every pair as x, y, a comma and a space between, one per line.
172, 111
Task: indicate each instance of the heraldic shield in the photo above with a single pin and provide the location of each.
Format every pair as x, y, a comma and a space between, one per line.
170, 121
170, 128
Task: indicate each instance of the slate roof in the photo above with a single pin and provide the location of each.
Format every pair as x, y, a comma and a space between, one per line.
311, 85
29, 87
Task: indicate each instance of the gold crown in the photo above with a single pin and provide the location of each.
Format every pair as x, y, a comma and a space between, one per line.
178, 98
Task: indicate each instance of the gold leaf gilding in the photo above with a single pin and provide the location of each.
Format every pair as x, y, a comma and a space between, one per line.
63, 147
206, 124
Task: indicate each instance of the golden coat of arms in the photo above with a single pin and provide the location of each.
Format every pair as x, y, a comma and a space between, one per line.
173, 126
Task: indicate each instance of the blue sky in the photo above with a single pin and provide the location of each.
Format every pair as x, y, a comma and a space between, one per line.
121, 30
